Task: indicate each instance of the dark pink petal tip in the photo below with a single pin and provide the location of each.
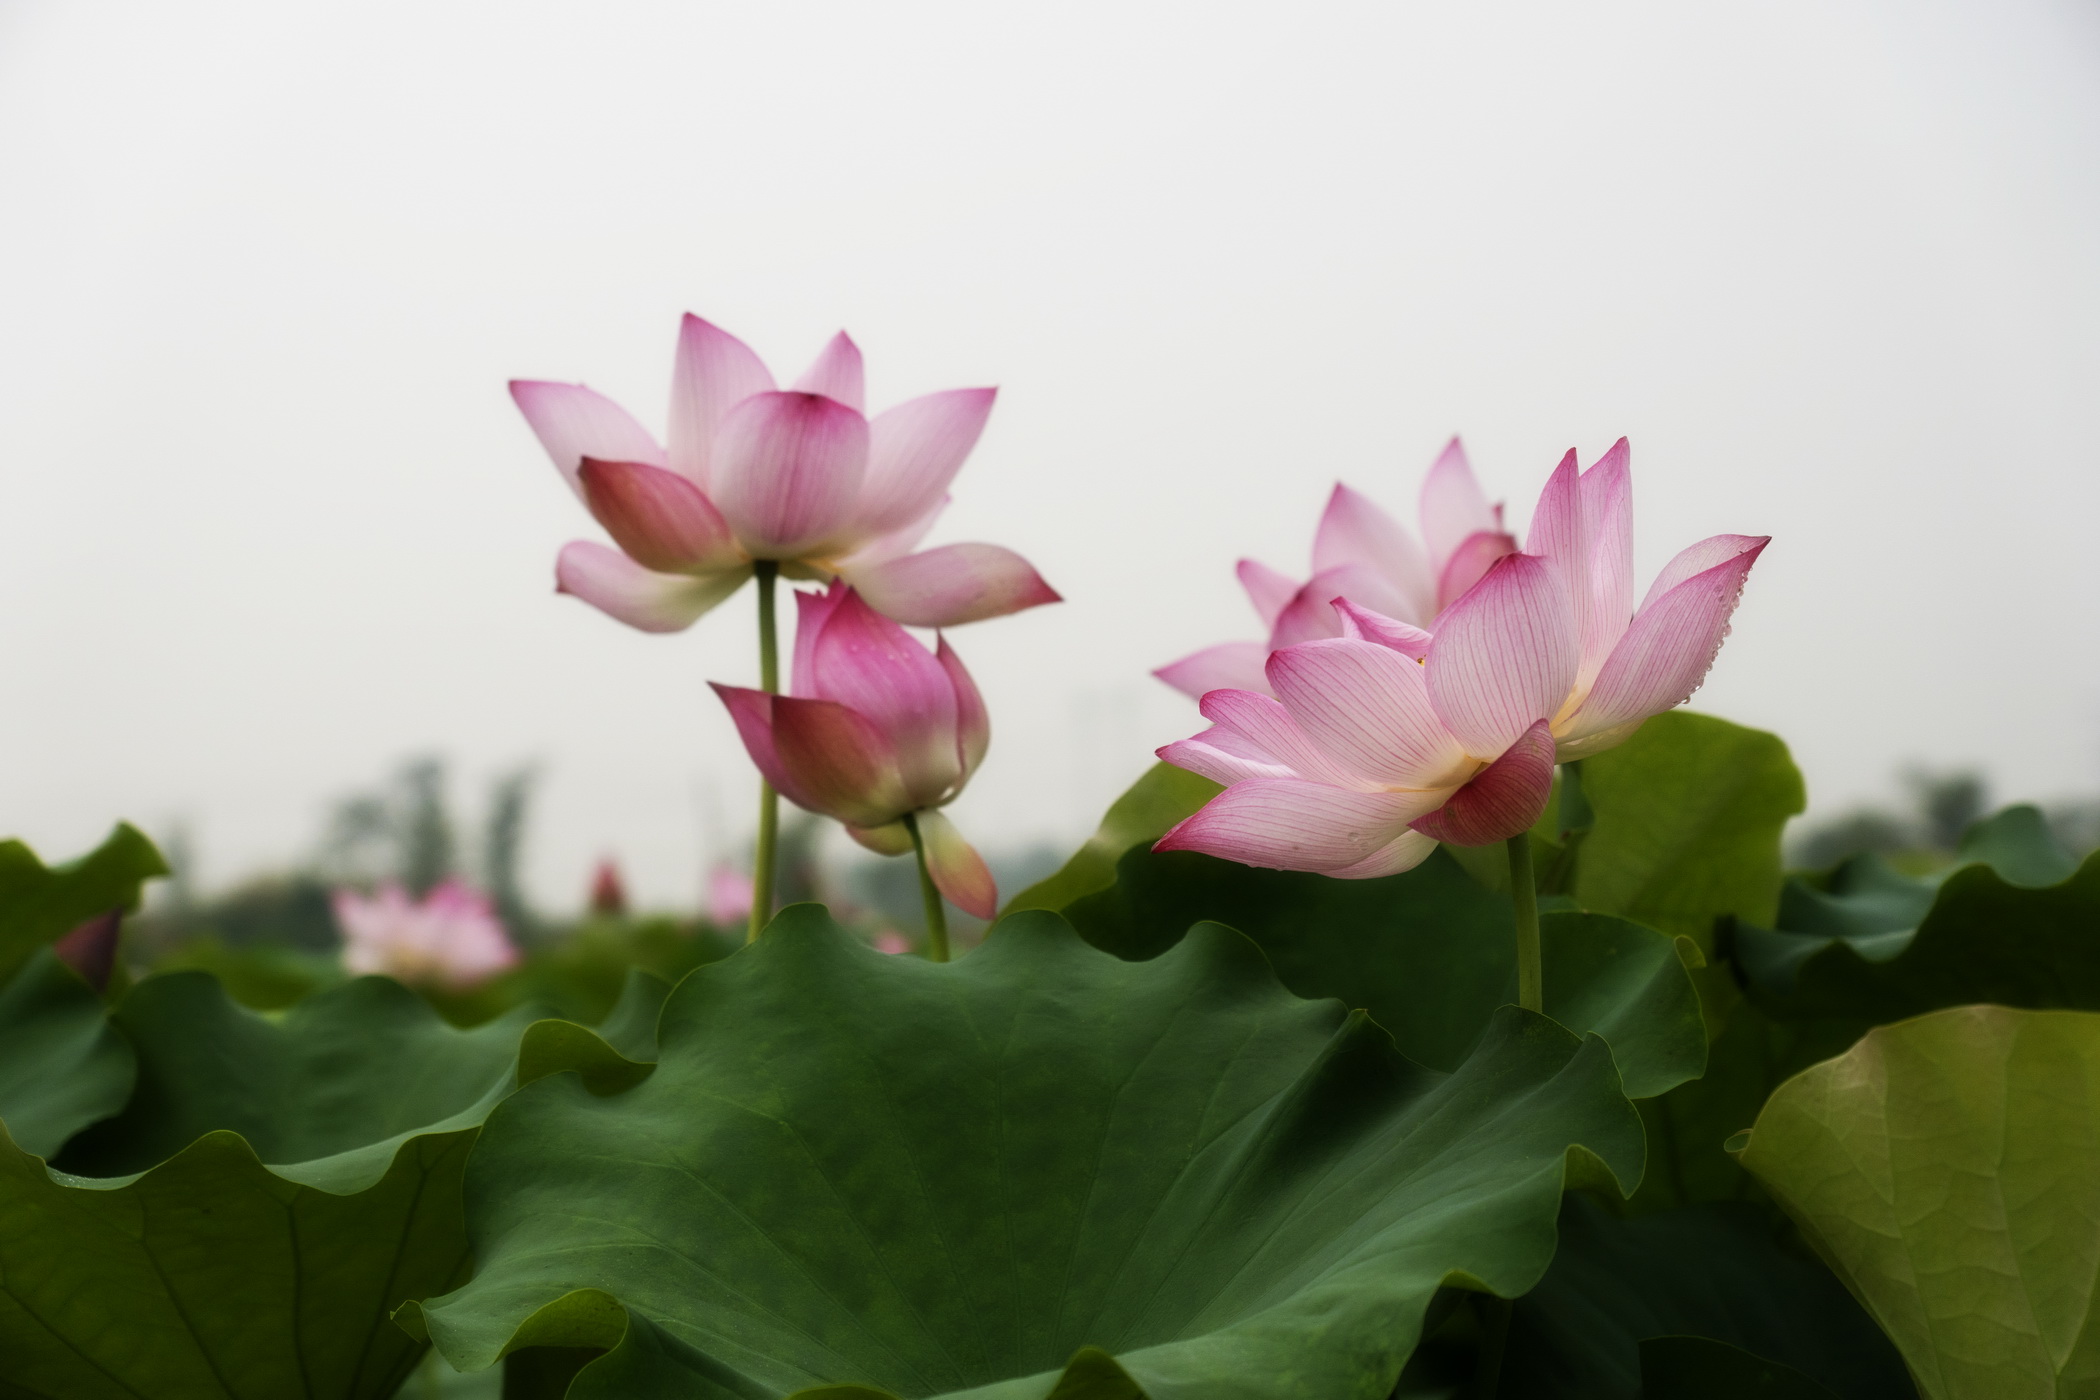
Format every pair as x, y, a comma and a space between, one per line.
1502, 800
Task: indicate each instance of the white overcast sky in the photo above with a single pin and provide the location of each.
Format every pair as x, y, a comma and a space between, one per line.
272, 524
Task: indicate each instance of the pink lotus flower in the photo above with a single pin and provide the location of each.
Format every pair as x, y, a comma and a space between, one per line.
800, 476
451, 937
1377, 744
1364, 554
729, 895
872, 730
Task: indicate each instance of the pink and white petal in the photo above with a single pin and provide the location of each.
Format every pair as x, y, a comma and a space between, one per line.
1503, 799
958, 872
872, 666
1607, 515
837, 373
951, 585
642, 598
1226, 666
573, 423
812, 611
914, 451
752, 713
973, 722
1368, 708
1556, 531
662, 520
787, 471
1469, 564
1362, 623
1569, 749
1453, 506
1666, 652
1265, 728
1698, 558
893, 839
894, 545
1397, 856
1310, 615
1288, 824
714, 372
1354, 530
837, 762
1269, 590
1221, 756
1504, 656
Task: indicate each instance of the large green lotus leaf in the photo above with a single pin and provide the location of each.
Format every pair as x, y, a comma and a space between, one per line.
62, 1066
1429, 953
1949, 1168
1688, 814
273, 1189
1039, 1170
1720, 1272
38, 903
1163, 796
1700, 1368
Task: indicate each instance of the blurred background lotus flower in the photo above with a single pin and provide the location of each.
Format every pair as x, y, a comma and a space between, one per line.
877, 733
1362, 553
1373, 745
801, 476
729, 892
608, 890
450, 938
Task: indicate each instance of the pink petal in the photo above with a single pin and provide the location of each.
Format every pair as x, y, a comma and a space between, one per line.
1359, 622
658, 517
1287, 824
869, 664
836, 762
1310, 615
614, 584
1404, 852
891, 840
1607, 520
1665, 653
1453, 506
836, 374
573, 423
787, 469
1222, 756
1265, 728
714, 373
1505, 798
954, 584
752, 711
1353, 530
973, 722
1227, 666
914, 451
1269, 590
1504, 655
1469, 564
1368, 708
1556, 522
896, 544
958, 872
1698, 558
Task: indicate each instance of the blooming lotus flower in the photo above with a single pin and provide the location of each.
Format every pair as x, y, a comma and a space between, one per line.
874, 729
1362, 553
450, 937
1379, 743
750, 472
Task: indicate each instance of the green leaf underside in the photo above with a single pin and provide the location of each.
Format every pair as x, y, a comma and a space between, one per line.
1717, 1272
1688, 814
1946, 1167
1164, 796
39, 903
1429, 953
62, 1066
914, 1179
1700, 1368
198, 1271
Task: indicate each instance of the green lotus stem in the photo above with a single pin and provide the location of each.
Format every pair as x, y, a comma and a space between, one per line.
1523, 890
768, 800
930, 895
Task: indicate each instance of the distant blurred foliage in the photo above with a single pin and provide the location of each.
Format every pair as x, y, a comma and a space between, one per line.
1926, 832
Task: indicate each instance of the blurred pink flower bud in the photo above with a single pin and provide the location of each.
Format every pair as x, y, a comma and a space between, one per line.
608, 890
874, 729
728, 895
1372, 746
91, 949
801, 476
892, 942
450, 938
